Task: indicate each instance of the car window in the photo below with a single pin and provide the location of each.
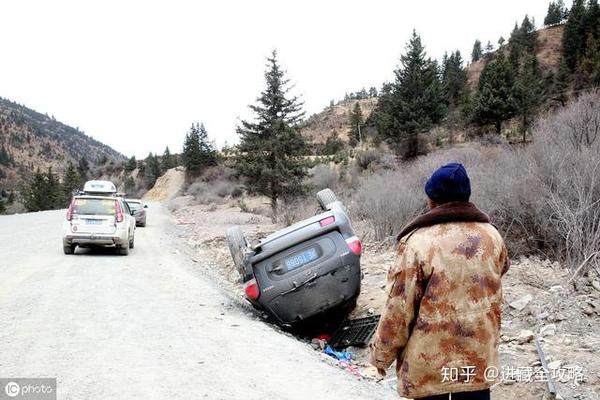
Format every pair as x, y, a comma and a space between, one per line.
134, 206
93, 206
126, 208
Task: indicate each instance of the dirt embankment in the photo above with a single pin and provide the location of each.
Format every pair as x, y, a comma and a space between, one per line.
538, 303
167, 186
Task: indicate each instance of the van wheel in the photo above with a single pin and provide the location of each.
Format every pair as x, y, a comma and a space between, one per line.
237, 246
325, 197
69, 248
123, 250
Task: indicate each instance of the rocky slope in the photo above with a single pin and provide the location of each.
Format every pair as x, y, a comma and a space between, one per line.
33, 140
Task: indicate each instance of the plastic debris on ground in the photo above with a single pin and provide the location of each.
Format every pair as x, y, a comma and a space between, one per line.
339, 355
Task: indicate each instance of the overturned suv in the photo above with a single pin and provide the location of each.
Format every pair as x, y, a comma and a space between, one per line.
304, 270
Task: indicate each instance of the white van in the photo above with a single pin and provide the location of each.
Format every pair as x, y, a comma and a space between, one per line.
98, 218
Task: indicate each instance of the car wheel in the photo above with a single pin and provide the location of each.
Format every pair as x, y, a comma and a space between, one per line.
69, 248
132, 242
123, 250
237, 246
325, 198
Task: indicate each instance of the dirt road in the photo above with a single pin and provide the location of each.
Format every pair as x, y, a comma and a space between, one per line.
145, 326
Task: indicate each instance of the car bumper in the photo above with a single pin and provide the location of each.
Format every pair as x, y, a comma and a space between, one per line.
100, 240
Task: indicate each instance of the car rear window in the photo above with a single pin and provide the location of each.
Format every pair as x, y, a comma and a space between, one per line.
134, 206
94, 207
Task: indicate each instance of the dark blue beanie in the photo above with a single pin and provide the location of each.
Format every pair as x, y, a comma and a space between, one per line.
449, 183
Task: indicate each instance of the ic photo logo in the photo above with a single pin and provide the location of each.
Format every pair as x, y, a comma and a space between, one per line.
12, 389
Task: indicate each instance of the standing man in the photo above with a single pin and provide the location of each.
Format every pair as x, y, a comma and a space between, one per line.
441, 322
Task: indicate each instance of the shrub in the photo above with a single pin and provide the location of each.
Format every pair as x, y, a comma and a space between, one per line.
365, 158
323, 176
543, 198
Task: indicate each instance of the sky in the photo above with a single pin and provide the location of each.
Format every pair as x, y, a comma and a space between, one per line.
136, 74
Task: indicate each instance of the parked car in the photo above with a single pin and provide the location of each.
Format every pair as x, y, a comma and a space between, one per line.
138, 210
98, 217
304, 270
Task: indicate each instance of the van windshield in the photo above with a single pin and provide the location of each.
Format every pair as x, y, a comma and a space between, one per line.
94, 207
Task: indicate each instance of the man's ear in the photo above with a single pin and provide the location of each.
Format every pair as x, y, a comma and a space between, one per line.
432, 204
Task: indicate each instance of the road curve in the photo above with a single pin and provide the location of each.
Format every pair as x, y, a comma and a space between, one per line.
144, 326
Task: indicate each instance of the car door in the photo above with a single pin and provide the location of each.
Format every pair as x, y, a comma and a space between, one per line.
130, 219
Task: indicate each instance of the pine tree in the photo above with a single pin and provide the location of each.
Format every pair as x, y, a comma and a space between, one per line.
556, 13
198, 152
167, 160
574, 35
5, 157
454, 79
129, 185
71, 182
43, 192
131, 164
191, 151
528, 92
414, 104
477, 52
208, 154
83, 167
271, 146
522, 41
589, 68
355, 124
53, 192
333, 144
494, 102
501, 41
489, 47
152, 171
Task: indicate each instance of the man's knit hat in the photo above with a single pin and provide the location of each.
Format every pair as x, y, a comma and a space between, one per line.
449, 183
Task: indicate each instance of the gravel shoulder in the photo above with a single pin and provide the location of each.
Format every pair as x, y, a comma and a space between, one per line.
150, 325
538, 303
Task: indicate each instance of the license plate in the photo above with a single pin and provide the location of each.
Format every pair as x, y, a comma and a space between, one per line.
93, 221
301, 259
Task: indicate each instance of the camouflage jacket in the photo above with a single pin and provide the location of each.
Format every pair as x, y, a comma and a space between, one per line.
441, 321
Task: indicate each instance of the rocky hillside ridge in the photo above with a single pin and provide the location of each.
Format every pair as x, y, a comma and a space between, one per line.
32, 139
335, 119
548, 51
320, 126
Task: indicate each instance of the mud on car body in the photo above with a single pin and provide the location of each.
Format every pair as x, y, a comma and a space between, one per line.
304, 270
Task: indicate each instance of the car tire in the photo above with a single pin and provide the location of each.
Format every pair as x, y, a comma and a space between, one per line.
132, 242
123, 250
69, 249
237, 246
325, 198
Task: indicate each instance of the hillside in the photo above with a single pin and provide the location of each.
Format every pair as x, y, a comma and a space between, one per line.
335, 118
31, 140
320, 126
548, 49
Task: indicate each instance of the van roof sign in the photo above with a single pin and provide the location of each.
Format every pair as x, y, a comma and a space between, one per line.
106, 187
